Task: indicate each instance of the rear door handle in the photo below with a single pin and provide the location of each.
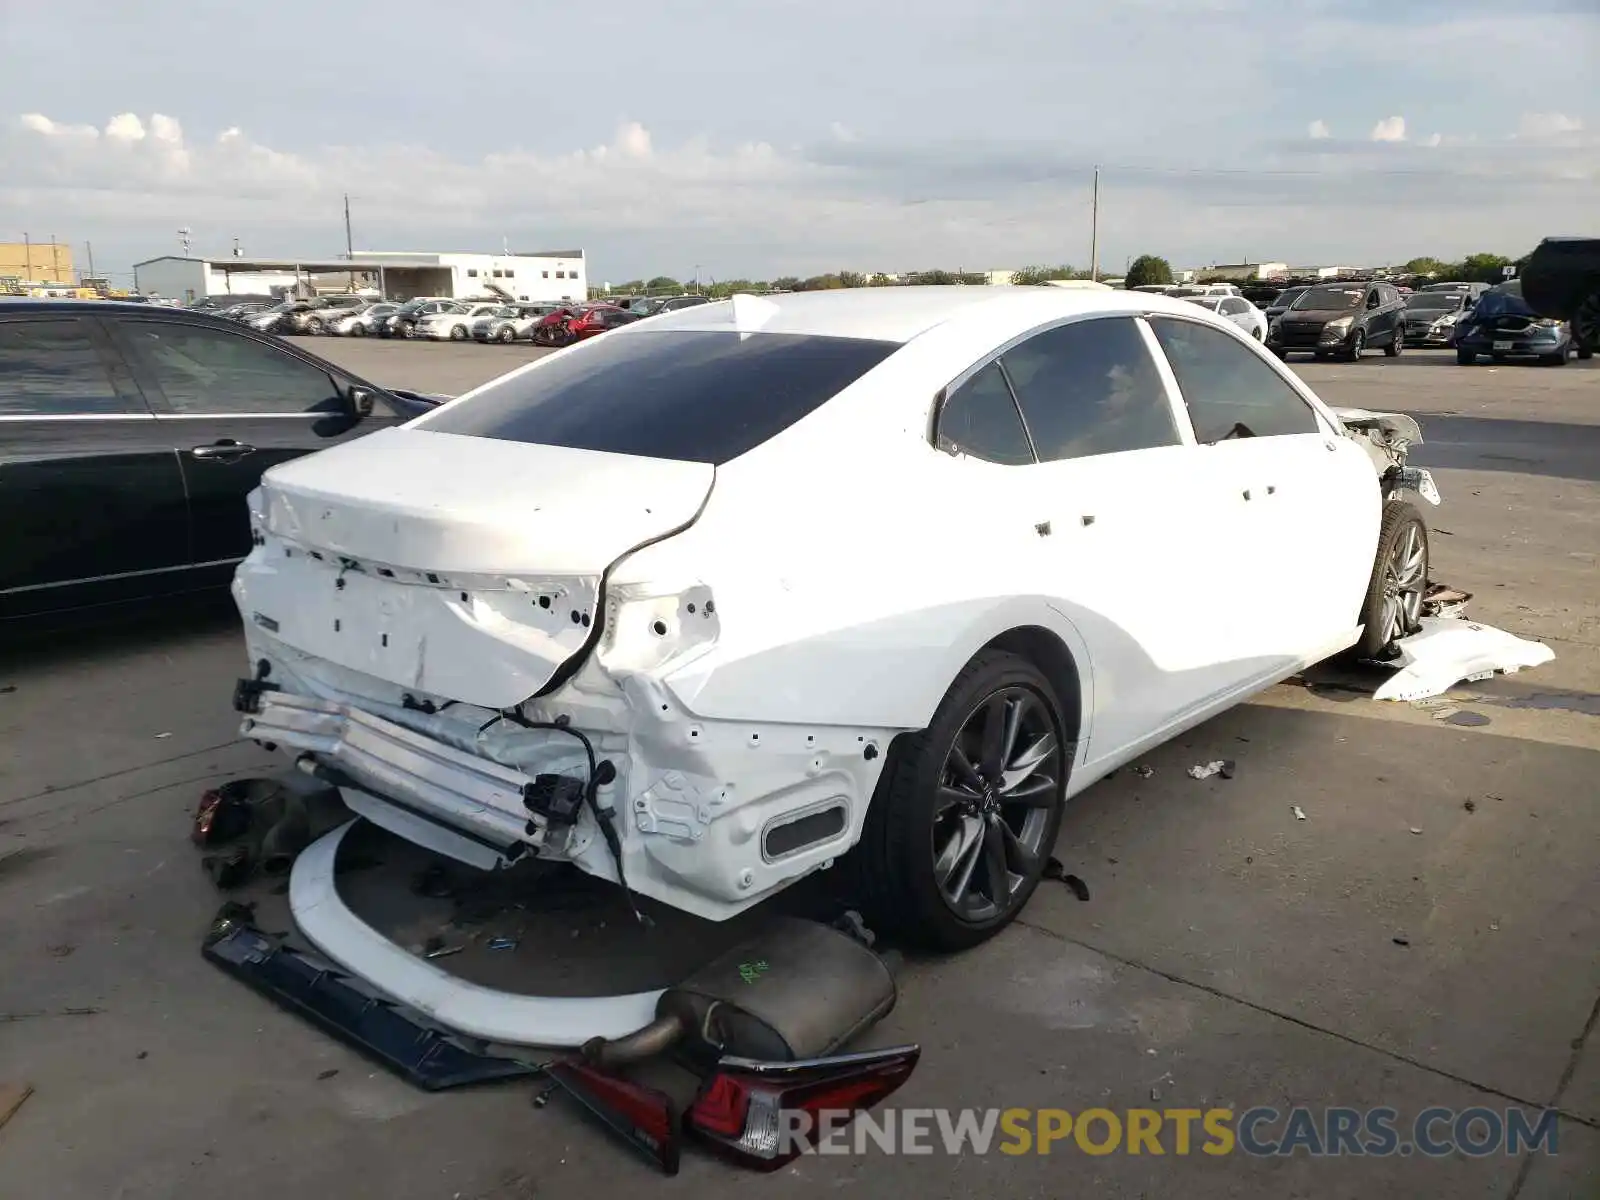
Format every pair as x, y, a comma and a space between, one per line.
226, 450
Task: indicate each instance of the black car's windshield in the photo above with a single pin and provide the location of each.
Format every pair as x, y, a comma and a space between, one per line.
1329, 299
694, 396
1503, 301
1446, 301
1288, 296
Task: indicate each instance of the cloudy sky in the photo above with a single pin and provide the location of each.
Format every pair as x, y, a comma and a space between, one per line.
767, 137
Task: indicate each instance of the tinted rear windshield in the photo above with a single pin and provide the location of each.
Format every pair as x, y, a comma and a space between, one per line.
696, 396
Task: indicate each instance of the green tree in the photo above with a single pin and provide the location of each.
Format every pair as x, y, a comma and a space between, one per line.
852, 279
1033, 275
1424, 266
1146, 270
880, 280
786, 283
1483, 268
940, 278
664, 283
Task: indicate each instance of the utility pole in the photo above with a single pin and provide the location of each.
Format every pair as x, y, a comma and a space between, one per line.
55, 260
27, 255
89, 246
1094, 229
349, 243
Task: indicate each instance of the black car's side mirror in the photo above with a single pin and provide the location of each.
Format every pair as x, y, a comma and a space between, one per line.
361, 401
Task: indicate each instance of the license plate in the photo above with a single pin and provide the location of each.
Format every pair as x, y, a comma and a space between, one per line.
1502, 345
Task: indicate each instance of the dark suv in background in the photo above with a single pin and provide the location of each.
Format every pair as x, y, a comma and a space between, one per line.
1341, 319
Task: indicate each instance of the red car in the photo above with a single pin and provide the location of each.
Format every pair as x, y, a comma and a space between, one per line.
579, 321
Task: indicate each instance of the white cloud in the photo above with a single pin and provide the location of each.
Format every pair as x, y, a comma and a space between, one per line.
125, 127
1390, 129
1542, 126
763, 209
1319, 130
842, 132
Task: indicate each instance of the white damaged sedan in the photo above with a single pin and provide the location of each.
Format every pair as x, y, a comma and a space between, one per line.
871, 581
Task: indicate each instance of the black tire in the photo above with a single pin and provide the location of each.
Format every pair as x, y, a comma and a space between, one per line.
458, 333
507, 335
1465, 358
314, 327
1585, 352
1358, 343
1396, 345
892, 869
358, 330
1281, 353
1399, 519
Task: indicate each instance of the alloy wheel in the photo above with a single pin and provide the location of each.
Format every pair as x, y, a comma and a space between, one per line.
1001, 778
1405, 579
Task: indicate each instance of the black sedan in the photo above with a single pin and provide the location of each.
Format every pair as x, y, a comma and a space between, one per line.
130, 436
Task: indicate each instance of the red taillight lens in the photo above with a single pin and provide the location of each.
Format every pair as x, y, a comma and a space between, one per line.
765, 1114
642, 1116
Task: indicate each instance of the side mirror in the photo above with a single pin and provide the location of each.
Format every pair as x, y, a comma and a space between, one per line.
361, 401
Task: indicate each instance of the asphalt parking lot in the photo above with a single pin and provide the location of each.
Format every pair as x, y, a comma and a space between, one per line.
1428, 936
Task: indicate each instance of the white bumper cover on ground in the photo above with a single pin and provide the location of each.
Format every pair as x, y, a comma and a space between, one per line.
508, 1018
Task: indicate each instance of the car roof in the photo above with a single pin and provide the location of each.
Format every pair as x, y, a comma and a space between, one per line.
899, 314
194, 316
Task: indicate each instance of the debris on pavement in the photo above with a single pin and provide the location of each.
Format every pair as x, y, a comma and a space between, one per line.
1401, 941
1470, 805
1054, 869
1144, 772
328, 1074
1448, 650
503, 943
1206, 770
1299, 813
35, 1013
159, 736
12, 1097
1414, 829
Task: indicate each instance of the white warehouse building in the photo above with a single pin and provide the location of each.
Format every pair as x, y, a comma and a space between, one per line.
393, 274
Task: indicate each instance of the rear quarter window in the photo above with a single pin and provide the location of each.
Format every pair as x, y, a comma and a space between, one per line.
691, 395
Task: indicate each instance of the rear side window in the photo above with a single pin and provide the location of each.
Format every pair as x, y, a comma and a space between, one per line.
980, 419
1230, 391
52, 368
695, 396
1090, 387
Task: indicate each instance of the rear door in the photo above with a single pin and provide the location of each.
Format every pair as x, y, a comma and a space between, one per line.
1297, 520
230, 406
1130, 525
92, 504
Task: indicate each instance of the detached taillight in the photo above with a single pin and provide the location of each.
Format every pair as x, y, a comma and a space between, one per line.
642, 1116
765, 1114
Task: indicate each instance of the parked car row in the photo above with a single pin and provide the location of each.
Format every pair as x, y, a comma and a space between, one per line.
1344, 319
439, 318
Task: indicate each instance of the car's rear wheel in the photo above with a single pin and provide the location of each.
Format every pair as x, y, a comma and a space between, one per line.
1393, 605
966, 812
314, 326
357, 329
507, 334
1396, 345
458, 333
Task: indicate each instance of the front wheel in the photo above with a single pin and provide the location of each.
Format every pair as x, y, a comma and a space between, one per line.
1358, 343
507, 335
966, 812
314, 327
1465, 358
1393, 605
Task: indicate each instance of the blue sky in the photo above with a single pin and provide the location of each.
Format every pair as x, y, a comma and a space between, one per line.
797, 136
